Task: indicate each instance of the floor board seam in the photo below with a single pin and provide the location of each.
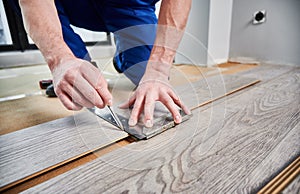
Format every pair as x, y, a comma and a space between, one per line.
275, 173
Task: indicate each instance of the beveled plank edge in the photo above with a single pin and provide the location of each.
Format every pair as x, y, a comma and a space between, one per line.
8, 186
293, 187
282, 180
226, 94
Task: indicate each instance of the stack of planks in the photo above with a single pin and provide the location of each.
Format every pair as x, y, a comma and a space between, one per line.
231, 145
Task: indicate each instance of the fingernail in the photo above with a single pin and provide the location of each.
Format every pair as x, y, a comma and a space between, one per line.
148, 123
131, 122
178, 119
109, 102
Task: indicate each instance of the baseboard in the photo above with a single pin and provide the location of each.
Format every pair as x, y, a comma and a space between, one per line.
253, 60
212, 62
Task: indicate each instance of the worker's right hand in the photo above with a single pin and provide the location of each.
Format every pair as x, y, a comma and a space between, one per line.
78, 83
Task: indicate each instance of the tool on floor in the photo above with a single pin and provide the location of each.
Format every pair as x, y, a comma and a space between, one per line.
48, 85
45, 83
139, 131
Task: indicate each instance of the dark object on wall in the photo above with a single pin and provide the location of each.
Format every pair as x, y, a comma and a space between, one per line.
259, 17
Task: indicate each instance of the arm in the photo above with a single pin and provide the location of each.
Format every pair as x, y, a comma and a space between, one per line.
77, 83
154, 85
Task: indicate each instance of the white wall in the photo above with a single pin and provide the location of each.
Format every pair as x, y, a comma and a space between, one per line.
225, 28
207, 37
276, 41
193, 47
219, 31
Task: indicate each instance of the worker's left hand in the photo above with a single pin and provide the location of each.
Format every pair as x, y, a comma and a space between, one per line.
153, 87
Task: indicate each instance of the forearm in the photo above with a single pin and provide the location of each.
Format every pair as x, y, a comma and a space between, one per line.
171, 24
43, 26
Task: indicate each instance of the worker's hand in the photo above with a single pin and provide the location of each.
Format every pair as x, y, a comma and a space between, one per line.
77, 83
153, 87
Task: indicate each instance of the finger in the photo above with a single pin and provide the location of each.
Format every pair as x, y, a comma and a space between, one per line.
149, 110
128, 103
97, 81
178, 102
77, 96
88, 92
136, 111
67, 102
105, 95
169, 103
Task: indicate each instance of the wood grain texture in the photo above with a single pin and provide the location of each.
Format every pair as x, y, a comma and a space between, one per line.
66, 167
37, 148
188, 158
51, 144
287, 150
293, 187
282, 180
209, 88
266, 72
289, 82
276, 162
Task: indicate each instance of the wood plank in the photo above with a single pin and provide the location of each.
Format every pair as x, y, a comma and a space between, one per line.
276, 162
66, 167
277, 184
204, 90
290, 81
293, 187
45, 146
181, 160
73, 137
267, 72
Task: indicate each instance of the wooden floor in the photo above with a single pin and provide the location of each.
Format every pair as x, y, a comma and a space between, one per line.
235, 145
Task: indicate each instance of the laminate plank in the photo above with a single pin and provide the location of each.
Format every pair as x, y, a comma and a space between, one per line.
282, 180
293, 187
37, 148
248, 127
289, 81
286, 150
283, 154
266, 72
204, 90
48, 145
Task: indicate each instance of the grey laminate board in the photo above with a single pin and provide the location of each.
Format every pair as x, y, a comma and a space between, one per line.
293, 187
34, 149
288, 149
204, 90
266, 72
49, 144
289, 81
282, 155
181, 160
27, 151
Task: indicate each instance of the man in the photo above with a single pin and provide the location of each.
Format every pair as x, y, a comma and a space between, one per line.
79, 84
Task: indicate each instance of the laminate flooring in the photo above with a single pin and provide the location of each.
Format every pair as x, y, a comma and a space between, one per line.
232, 146
37, 149
293, 187
34, 149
